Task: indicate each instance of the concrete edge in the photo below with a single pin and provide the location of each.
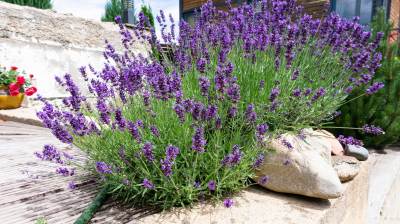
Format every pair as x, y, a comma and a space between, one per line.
352, 206
23, 120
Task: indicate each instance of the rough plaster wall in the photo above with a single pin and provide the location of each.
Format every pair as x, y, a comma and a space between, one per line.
46, 43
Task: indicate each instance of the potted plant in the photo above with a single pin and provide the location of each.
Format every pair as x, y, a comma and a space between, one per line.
13, 87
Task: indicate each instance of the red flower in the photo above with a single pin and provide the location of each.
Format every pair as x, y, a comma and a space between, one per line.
20, 80
14, 68
13, 87
30, 91
14, 93
31, 76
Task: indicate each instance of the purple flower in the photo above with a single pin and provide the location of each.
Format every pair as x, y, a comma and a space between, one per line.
154, 131
147, 184
166, 166
211, 185
118, 19
211, 112
233, 93
307, 92
349, 89
140, 123
274, 93
198, 140
204, 84
50, 153
287, 144
147, 151
296, 92
233, 158
274, 105
373, 130
218, 123
375, 88
320, 92
63, 171
228, 202
133, 129
120, 120
262, 84
259, 161
232, 112
201, 65
251, 115
103, 168
146, 98
262, 129
72, 185
180, 112
349, 140
171, 152
197, 110
263, 180
295, 75
61, 133
196, 184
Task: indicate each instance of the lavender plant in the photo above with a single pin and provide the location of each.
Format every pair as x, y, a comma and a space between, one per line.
175, 132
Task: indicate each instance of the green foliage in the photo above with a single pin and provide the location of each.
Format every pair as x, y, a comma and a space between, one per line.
41, 220
41, 4
383, 108
146, 9
7, 76
113, 8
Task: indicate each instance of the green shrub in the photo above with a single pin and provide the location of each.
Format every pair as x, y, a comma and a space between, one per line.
113, 8
381, 109
146, 10
172, 133
41, 4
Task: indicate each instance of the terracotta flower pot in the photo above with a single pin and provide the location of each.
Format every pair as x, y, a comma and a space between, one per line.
11, 102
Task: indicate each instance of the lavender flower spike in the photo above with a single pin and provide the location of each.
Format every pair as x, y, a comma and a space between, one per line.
373, 130
198, 140
375, 88
147, 184
228, 202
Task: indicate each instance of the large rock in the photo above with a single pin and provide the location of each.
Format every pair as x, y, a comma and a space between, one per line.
336, 147
346, 167
306, 169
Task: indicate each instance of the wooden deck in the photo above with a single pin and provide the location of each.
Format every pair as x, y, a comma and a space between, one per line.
29, 187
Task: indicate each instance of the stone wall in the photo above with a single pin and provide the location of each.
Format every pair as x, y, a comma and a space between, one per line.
46, 43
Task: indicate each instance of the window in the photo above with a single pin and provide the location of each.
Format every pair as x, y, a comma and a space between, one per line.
363, 8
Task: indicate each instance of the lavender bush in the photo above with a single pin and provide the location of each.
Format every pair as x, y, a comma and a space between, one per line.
174, 132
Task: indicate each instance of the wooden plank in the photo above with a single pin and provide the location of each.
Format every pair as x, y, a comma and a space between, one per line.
25, 198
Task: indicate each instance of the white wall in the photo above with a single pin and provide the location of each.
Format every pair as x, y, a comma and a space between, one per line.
46, 43
46, 61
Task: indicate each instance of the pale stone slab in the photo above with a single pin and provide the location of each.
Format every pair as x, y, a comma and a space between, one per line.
384, 188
